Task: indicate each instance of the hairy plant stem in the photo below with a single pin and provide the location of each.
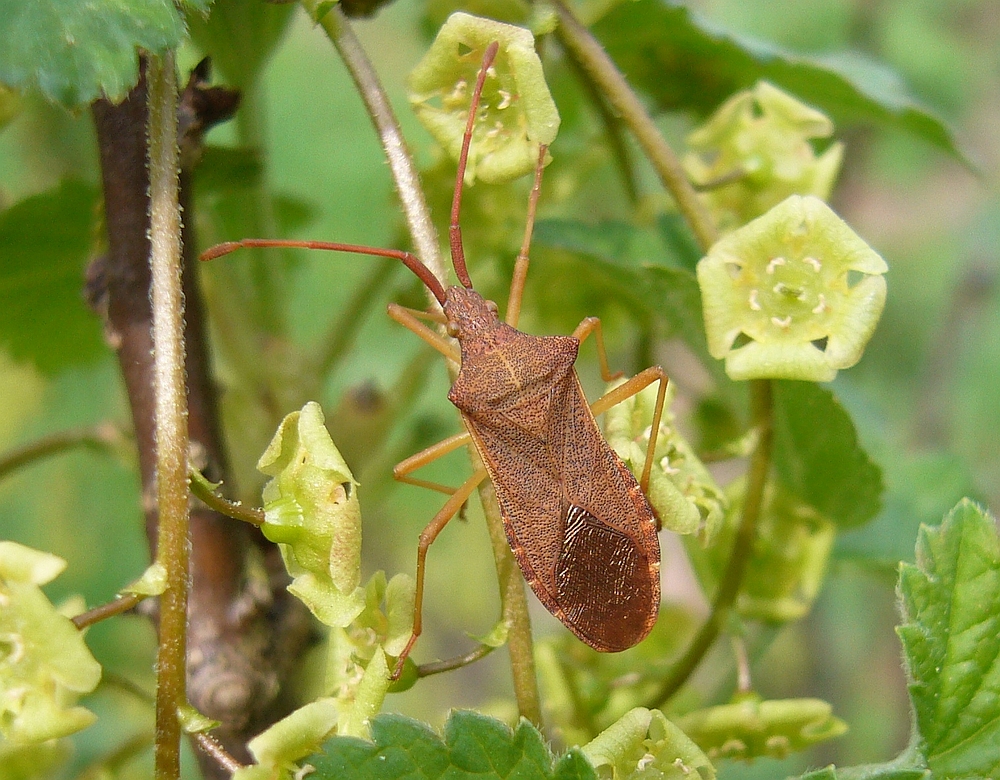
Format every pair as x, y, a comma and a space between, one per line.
595, 62
401, 165
210, 746
170, 410
761, 408
514, 603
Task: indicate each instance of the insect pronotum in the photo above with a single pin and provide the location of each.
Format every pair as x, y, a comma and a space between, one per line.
576, 519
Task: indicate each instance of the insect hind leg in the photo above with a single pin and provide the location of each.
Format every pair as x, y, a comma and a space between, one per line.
624, 391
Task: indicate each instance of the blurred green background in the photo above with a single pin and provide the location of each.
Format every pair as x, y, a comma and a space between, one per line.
924, 398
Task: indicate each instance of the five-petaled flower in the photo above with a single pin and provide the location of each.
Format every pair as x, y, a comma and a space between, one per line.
516, 113
756, 150
794, 294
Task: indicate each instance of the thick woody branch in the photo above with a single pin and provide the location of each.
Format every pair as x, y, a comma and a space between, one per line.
243, 633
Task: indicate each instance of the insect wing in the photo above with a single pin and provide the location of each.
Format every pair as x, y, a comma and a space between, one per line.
580, 528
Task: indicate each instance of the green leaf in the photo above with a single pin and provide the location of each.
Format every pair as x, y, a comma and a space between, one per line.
240, 36
45, 240
683, 60
638, 267
893, 770
74, 52
951, 641
817, 455
474, 746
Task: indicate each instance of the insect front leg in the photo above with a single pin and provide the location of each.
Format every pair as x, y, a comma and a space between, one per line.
404, 468
427, 537
410, 320
626, 390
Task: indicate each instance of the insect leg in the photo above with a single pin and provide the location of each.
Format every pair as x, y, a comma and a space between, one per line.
584, 329
427, 537
404, 468
409, 320
521, 264
627, 390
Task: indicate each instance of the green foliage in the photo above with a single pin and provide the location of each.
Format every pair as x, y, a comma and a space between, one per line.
473, 746
643, 745
311, 510
608, 242
680, 58
755, 151
681, 490
750, 728
951, 641
75, 52
45, 240
788, 562
824, 465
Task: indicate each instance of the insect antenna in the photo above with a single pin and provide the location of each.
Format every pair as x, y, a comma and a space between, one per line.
408, 259
454, 229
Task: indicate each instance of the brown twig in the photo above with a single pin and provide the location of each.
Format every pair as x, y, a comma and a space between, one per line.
104, 438
244, 635
122, 603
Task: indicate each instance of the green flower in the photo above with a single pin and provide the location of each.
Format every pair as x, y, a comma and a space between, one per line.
44, 662
750, 728
311, 511
516, 114
755, 151
794, 294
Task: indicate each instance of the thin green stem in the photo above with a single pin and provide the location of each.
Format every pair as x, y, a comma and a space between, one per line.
201, 488
401, 164
596, 63
123, 603
447, 665
170, 398
104, 438
761, 406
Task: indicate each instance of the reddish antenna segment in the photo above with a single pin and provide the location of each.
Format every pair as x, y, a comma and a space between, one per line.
454, 229
408, 259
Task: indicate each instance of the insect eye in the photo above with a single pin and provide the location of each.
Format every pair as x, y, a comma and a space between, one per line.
491, 305
452, 329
